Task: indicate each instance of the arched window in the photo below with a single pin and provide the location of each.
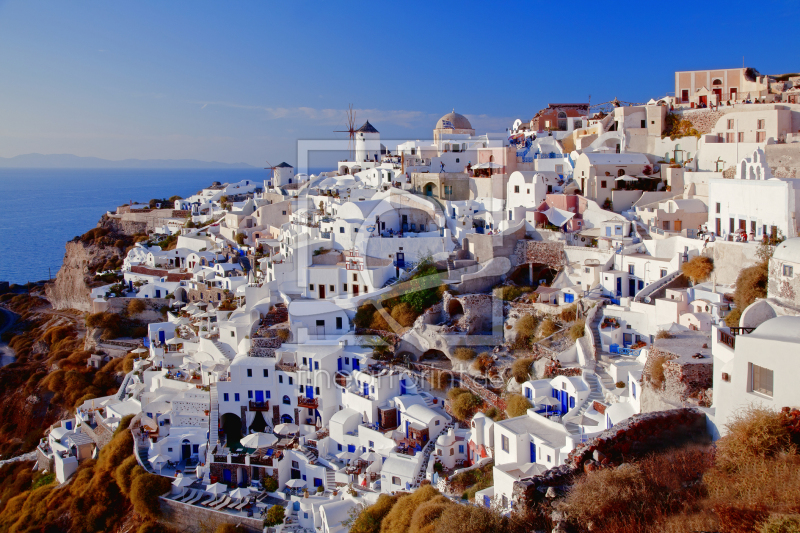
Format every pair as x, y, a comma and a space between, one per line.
562, 120
620, 172
452, 451
287, 401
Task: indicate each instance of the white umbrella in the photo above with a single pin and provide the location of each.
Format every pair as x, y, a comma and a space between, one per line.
345, 456
546, 400
158, 461
282, 429
583, 420
240, 493
259, 440
140, 350
183, 481
371, 457
217, 488
295, 483
626, 178
174, 340
490, 164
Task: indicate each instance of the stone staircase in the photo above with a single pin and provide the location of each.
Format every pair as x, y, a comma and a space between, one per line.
429, 403
310, 453
330, 479
224, 349
213, 422
595, 327
277, 315
595, 394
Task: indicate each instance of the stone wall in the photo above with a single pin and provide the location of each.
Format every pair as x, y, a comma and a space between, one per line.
635, 437
683, 382
703, 120
545, 253
198, 519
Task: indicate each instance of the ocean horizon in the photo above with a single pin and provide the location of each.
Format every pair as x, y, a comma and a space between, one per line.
44, 208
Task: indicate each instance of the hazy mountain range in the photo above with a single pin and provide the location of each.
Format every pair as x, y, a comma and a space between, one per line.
74, 161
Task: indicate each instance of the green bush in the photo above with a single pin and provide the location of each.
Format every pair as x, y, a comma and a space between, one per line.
145, 490
275, 516
269, 484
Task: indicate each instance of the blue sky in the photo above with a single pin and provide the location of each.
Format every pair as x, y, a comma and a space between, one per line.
242, 81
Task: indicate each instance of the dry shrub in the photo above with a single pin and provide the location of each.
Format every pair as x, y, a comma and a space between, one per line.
136, 306
751, 284
526, 325
471, 481
465, 405
698, 269
228, 528
657, 371
664, 334
425, 518
464, 354
363, 317
471, 519
732, 318
145, 490
521, 369
404, 314
398, 519
483, 362
568, 314
511, 292
754, 433
379, 323
439, 380
517, 405
284, 334
455, 392
548, 327
371, 518
577, 330
781, 523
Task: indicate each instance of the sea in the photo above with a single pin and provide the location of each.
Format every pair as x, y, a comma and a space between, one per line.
42, 209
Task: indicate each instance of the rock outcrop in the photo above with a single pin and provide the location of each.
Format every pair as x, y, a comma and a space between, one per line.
71, 289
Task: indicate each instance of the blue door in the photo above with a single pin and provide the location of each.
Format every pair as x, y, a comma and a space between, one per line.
226, 475
355, 364
161, 336
401, 259
339, 364
533, 453
406, 428
366, 389
569, 298
631, 287
259, 396
351, 448
619, 286
309, 392
403, 388
564, 401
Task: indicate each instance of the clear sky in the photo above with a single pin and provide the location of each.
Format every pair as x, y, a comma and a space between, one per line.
242, 81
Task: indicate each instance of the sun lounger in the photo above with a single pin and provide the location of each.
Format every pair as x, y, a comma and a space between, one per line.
198, 495
233, 503
225, 501
188, 494
214, 501
205, 499
241, 505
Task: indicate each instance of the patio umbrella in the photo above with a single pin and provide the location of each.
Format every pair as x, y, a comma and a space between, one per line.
626, 178
295, 483
283, 429
217, 488
183, 481
140, 350
345, 456
371, 457
584, 420
174, 340
158, 461
547, 400
240, 493
259, 440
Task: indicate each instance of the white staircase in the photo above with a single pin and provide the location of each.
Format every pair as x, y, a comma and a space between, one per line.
330, 479
213, 422
224, 349
595, 393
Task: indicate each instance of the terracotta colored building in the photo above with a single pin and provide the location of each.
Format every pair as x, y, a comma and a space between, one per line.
554, 116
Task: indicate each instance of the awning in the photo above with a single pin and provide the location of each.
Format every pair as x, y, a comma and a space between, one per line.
490, 164
558, 217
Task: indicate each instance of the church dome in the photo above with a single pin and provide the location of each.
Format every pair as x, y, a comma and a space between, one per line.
453, 121
788, 250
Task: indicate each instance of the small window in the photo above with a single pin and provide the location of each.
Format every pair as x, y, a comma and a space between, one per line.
249, 372
395, 480
280, 379
233, 333
730, 123
338, 322
718, 207
341, 229
740, 137
437, 423
631, 269
291, 380
331, 288
516, 188
224, 398
603, 184
761, 379
249, 394
311, 287
286, 400
663, 272
760, 124
788, 271
236, 396
344, 287
504, 443
266, 373
355, 277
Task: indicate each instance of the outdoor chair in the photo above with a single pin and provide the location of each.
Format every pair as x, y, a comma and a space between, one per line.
225, 501
205, 499
212, 501
198, 496
188, 495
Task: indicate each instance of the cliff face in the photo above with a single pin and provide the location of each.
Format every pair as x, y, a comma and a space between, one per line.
71, 288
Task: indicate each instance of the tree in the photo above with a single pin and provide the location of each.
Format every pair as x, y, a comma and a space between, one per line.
517, 405
521, 369
269, 484
464, 405
275, 516
240, 239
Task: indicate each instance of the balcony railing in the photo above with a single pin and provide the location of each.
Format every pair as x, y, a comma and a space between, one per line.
308, 403
259, 406
727, 339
